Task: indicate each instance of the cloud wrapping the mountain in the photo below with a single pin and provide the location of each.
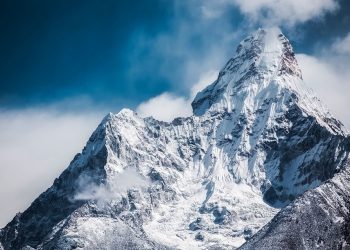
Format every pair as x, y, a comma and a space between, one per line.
284, 12
330, 80
128, 179
165, 107
36, 145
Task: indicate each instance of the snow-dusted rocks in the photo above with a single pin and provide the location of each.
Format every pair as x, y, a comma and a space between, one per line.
259, 139
319, 219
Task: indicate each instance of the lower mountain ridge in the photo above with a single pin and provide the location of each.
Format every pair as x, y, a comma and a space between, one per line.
261, 164
319, 219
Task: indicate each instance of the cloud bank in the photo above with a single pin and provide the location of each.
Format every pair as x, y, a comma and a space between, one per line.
284, 12
36, 145
167, 106
328, 74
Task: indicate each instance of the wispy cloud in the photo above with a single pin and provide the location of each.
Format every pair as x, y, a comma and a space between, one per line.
202, 38
36, 145
342, 45
167, 106
118, 186
192, 51
192, 45
204, 80
328, 74
283, 13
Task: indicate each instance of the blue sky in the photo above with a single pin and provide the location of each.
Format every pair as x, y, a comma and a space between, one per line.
64, 64
119, 53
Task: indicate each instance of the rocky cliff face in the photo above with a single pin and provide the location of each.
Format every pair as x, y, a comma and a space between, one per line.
258, 139
319, 219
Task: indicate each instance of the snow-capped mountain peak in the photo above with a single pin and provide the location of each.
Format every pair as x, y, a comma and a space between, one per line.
260, 60
259, 139
267, 51
263, 70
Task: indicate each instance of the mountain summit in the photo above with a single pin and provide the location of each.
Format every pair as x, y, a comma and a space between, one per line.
264, 67
260, 59
259, 138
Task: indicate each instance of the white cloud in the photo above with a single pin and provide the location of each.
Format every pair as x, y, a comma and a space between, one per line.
118, 186
342, 46
275, 12
165, 107
193, 44
330, 81
36, 145
204, 80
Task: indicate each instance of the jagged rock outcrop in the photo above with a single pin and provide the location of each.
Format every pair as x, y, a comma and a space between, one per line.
319, 219
258, 139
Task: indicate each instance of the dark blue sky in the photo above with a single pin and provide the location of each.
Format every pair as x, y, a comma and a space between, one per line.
119, 53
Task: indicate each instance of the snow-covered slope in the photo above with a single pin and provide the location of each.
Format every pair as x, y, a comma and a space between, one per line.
258, 139
319, 219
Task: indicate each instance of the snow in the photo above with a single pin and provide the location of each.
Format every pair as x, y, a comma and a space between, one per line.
316, 220
211, 170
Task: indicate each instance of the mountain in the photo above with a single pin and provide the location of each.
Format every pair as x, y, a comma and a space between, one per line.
258, 139
319, 219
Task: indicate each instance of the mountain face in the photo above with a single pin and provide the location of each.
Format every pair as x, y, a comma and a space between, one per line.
320, 219
258, 139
